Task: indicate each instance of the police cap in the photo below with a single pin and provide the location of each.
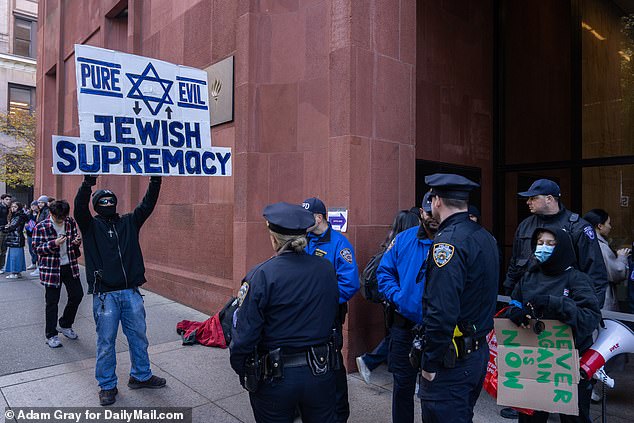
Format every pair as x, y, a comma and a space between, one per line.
542, 187
288, 219
451, 186
426, 206
315, 205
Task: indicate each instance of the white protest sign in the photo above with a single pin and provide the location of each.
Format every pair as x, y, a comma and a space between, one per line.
139, 115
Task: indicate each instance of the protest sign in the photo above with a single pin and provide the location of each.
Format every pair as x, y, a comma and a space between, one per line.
139, 115
539, 372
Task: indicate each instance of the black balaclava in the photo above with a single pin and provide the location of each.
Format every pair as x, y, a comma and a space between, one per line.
563, 255
104, 211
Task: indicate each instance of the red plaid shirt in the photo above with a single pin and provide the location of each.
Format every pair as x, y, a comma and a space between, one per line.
44, 236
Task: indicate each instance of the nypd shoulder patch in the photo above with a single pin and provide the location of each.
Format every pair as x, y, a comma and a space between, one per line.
389, 247
346, 254
443, 253
242, 293
589, 232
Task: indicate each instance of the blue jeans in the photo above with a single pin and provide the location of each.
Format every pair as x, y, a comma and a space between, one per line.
110, 308
404, 374
379, 355
31, 250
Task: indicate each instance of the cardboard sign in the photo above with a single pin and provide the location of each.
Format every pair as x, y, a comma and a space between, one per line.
139, 115
539, 372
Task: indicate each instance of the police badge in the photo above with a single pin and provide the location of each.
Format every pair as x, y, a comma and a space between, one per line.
443, 253
346, 254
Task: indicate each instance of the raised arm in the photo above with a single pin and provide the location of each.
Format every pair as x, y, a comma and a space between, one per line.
143, 211
82, 211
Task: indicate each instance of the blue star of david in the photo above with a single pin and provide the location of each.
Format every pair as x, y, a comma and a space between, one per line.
149, 74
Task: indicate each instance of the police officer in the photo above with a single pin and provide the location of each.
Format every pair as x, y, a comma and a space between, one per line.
401, 278
458, 304
325, 242
543, 200
281, 337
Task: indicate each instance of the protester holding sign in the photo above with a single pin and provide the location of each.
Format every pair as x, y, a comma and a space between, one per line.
114, 271
553, 289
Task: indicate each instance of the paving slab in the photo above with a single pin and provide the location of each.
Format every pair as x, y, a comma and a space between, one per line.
212, 413
80, 389
238, 406
204, 369
161, 321
21, 289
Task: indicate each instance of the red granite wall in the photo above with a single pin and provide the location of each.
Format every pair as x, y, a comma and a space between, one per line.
326, 104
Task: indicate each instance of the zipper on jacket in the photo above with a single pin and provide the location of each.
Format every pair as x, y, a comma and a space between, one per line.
125, 276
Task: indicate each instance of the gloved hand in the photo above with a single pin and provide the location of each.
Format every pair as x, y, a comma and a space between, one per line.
540, 303
155, 179
90, 180
519, 316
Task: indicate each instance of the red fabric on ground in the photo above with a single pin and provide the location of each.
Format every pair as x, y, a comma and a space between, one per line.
207, 333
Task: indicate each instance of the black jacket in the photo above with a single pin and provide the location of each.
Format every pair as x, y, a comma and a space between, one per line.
588, 256
43, 214
571, 293
111, 246
4, 214
14, 230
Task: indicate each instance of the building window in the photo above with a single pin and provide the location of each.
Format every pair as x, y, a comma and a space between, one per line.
25, 37
21, 98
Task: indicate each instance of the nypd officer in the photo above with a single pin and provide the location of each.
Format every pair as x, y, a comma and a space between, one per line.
401, 278
325, 242
458, 304
543, 200
281, 337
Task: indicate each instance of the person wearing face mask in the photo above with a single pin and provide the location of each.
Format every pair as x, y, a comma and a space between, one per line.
553, 289
114, 272
401, 277
543, 200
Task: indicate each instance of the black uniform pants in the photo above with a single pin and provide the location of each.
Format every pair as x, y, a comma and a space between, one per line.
276, 401
75, 294
403, 373
585, 393
451, 396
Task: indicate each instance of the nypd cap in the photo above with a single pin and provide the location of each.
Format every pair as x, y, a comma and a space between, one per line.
542, 187
315, 205
288, 219
451, 186
426, 206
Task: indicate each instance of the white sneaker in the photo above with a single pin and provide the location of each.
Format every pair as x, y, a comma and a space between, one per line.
363, 370
68, 332
53, 342
30, 267
1, 271
36, 272
12, 276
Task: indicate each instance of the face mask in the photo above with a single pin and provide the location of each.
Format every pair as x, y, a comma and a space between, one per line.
543, 252
106, 211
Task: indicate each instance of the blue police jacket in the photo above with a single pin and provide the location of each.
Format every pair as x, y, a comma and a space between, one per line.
461, 287
335, 247
288, 302
401, 273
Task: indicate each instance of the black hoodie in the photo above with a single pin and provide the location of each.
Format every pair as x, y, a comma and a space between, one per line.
571, 293
111, 244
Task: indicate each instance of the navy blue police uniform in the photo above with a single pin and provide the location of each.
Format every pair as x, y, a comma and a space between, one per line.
335, 247
282, 329
401, 277
458, 307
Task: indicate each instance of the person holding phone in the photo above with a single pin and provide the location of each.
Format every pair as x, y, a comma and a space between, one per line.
56, 241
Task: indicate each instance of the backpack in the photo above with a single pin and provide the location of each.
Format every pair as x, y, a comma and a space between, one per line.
368, 281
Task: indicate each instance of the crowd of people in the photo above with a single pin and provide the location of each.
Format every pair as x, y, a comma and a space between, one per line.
437, 276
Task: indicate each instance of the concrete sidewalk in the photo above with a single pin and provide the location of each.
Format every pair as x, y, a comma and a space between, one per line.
34, 375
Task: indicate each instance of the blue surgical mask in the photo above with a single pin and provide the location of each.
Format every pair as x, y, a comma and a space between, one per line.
543, 252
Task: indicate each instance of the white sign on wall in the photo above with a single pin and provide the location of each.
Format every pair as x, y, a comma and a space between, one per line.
139, 116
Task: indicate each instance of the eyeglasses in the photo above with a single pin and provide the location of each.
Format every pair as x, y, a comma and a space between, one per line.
106, 201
